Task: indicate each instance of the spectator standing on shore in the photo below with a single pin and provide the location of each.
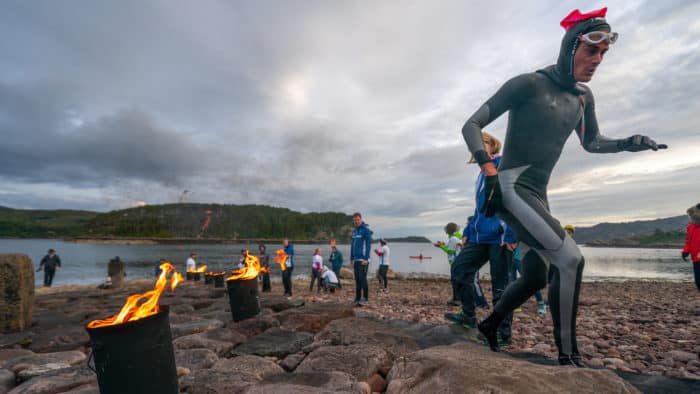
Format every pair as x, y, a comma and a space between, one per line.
336, 260
451, 248
191, 264
50, 263
489, 240
570, 229
316, 270
692, 242
289, 267
383, 252
265, 264
360, 247
330, 280
544, 108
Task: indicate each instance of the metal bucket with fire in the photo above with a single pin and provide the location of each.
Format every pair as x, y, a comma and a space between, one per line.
132, 351
242, 288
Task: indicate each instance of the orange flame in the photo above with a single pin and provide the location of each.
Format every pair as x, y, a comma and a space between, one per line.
200, 269
132, 310
250, 271
264, 270
281, 258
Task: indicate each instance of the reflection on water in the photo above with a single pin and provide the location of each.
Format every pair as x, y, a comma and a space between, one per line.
87, 263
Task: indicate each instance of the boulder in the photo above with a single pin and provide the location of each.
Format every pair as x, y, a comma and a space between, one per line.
59, 339
358, 330
377, 383
7, 381
346, 273
275, 342
16, 292
85, 389
291, 362
278, 303
39, 370
194, 326
195, 359
360, 361
231, 375
308, 383
442, 369
71, 357
255, 325
199, 341
313, 317
57, 381
7, 354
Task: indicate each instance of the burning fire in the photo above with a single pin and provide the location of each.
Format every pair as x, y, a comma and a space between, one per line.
281, 258
250, 271
264, 270
200, 269
132, 310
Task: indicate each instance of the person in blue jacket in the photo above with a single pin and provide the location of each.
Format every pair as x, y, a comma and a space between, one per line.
489, 240
360, 248
289, 264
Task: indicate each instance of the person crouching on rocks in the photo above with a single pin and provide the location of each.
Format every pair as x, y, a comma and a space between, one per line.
330, 280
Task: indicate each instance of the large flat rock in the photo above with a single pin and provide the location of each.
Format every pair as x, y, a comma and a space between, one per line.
473, 368
358, 330
194, 326
360, 361
70, 357
313, 317
308, 383
231, 375
275, 342
57, 381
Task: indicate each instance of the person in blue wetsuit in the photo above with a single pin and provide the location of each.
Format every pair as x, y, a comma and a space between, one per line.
544, 107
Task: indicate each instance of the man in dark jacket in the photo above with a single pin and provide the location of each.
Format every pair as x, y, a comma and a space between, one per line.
49, 263
360, 247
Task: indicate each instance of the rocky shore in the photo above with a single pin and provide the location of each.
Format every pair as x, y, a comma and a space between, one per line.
635, 335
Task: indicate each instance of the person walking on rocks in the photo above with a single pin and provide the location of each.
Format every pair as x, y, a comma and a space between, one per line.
360, 247
50, 263
383, 252
544, 108
489, 240
336, 260
692, 242
289, 267
316, 270
264, 259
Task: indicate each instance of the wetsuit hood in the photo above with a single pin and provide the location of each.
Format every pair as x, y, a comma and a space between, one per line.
562, 73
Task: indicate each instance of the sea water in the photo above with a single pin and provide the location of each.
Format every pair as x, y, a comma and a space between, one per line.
85, 263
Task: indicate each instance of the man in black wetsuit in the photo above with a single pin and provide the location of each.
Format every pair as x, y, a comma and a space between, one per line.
544, 107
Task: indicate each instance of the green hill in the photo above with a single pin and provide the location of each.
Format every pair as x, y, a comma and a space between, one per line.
35, 223
226, 222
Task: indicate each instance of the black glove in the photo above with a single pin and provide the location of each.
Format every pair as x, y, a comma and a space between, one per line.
685, 256
638, 143
493, 196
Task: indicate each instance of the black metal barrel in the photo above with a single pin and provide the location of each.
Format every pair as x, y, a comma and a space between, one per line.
208, 279
135, 357
243, 297
219, 281
196, 275
189, 275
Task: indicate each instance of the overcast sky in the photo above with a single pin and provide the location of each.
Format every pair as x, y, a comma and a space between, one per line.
328, 105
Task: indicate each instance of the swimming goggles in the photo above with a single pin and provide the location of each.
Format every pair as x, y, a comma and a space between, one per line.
596, 37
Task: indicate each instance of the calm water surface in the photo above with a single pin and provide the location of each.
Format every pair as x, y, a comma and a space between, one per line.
87, 263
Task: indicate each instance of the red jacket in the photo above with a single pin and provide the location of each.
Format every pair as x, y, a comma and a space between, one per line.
692, 242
